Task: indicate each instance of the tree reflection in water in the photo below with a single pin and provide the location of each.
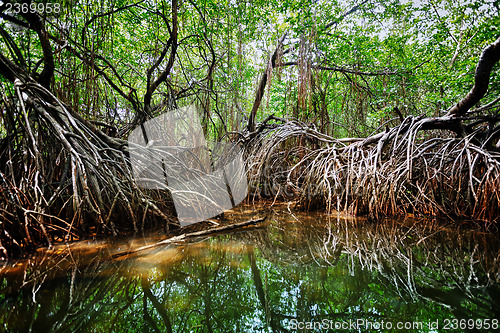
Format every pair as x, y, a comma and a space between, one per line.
304, 267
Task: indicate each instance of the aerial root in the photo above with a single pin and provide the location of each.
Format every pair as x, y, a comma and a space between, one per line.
395, 172
71, 181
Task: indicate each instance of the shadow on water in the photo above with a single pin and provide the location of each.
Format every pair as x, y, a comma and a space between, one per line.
298, 272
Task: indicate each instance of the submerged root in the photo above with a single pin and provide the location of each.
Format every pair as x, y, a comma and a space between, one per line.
395, 172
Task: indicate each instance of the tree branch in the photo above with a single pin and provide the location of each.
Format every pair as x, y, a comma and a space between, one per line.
163, 76
37, 25
489, 57
13, 48
9, 18
9, 70
111, 12
347, 13
262, 86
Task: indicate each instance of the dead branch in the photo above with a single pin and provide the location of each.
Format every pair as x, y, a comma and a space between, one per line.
184, 237
262, 85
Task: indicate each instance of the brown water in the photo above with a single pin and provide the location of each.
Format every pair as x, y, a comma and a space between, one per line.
297, 272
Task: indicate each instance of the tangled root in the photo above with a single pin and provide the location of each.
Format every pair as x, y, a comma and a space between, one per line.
395, 172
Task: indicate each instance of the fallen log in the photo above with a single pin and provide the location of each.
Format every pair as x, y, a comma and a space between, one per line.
184, 237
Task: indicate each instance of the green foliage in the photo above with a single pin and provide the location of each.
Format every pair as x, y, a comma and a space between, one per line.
332, 72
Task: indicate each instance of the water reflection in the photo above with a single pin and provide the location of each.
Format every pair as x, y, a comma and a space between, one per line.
300, 268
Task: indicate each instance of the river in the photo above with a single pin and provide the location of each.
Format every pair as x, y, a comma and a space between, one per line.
298, 271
